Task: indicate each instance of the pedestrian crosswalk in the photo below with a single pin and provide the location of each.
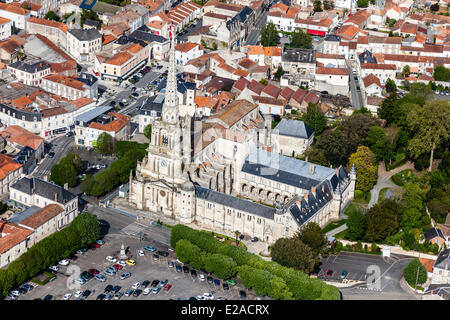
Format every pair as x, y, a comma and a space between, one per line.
133, 229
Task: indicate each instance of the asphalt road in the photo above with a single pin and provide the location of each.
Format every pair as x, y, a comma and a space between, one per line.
356, 96
60, 146
254, 35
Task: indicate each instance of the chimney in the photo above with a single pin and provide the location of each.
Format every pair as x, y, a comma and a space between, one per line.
66, 186
313, 190
56, 197
312, 168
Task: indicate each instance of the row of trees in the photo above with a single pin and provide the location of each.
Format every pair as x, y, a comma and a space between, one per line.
301, 252
66, 170
128, 154
83, 230
266, 278
299, 38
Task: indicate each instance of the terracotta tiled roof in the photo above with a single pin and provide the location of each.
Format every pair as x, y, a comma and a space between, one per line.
320, 55
7, 165
311, 97
241, 73
424, 77
378, 66
246, 63
155, 24
10, 45
269, 100
113, 126
42, 216
108, 38
67, 81
81, 102
358, 18
255, 50
134, 48
256, 87
49, 23
119, 58
427, 263
206, 102
371, 79
51, 112
347, 32
3, 20
13, 9
409, 28
234, 111
241, 84
272, 90
332, 71
12, 235
272, 51
186, 46
286, 93
21, 102
299, 95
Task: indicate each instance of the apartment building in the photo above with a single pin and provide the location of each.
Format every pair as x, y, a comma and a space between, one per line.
55, 31
10, 172
30, 72
71, 87
17, 15
5, 28
84, 44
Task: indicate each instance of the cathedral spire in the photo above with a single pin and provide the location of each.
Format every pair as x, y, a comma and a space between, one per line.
170, 107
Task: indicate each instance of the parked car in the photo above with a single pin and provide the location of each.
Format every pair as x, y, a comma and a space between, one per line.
64, 262
131, 262
344, 274
255, 239
137, 292
110, 272
242, 294
48, 297
111, 259
208, 296
225, 286
85, 294
193, 273
185, 269
109, 296
78, 294
155, 257
128, 293
163, 253
118, 295
12, 296
100, 277
67, 296
167, 287
217, 282
209, 279
156, 290
122, 263
101, 296
147, 291
118, 266
150, 248
94, 245
329, 273
178, 267
125, 275
136, 285
163, 282
155, 283
116, 289
54, 268
94, 271
170, 263
201, 277
51, 154
108, 288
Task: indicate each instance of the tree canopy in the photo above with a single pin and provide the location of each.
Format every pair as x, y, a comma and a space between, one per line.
366, 168
441, 73
293, 253
415, 273
314, 118
269, 35
300, 39
105, 144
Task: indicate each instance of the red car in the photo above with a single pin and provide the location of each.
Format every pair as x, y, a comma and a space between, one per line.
118, 266
95, 245
94, 271
167, 287
329, 273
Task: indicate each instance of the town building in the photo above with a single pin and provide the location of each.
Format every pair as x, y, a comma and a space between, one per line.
441, 269
292, 137
30, 72
83, 44
10, 172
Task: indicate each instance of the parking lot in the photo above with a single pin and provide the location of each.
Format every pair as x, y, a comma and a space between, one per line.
356, 265
184, 285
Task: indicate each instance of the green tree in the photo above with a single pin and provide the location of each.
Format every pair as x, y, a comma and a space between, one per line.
434, 7
415, 273
190, 253
269, 35
51, 15
441, 73
105, 143
317, 156
362, 3
314, 118
87, 227
313, 236
87, 184
379, 143
6, 281
75, 159
64, 172
317, 6
148, 132
414, 215
366, 168
406, 71
356, 223
430, 126
300, 39
328, 5
390, 86
222, 266
279, 73
382, 220
293, 253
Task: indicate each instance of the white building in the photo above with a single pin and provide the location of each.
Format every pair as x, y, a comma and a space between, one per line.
184, 52
17, 15
84, 44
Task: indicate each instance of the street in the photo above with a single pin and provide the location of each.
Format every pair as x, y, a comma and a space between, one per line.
60, 145
254, 35
356, 97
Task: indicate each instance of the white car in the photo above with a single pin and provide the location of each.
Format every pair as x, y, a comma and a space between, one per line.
15, 292
201, 298
64, 262
208, 296
54, 268
111, 259
141, 253
78, 293
136, 285
122, 263
147, 291
67, 296
201, 277
140, 75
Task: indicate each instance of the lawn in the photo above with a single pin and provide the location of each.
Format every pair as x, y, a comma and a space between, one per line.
333, 225
382, 194
362, 197
340, 235
402, 177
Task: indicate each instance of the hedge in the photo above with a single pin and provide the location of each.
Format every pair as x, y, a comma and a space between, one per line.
84, 229
290, 283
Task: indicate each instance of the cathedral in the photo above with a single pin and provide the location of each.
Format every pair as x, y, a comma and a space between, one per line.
220, 174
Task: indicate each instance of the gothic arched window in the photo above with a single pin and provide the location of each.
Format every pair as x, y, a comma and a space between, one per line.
165, 140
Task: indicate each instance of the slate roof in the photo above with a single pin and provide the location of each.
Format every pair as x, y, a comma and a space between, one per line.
44, 188
293, 128
287, 170
85, 34
152, 104
30, 67
143, 34
443, 259
433, 233
235, 202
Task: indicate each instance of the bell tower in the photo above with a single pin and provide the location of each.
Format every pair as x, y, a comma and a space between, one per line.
170, 106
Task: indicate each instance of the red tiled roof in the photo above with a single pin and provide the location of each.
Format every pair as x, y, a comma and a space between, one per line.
371, 79
12, 235
286, 93
49, 23
378, 66
256, 87
7, 165
42, 216
22, 137
186, 46
113, 126
272, 90
299, 95
311, 97
332, 71
241, 84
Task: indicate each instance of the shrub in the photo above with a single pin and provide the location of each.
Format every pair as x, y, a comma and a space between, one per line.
410, 273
